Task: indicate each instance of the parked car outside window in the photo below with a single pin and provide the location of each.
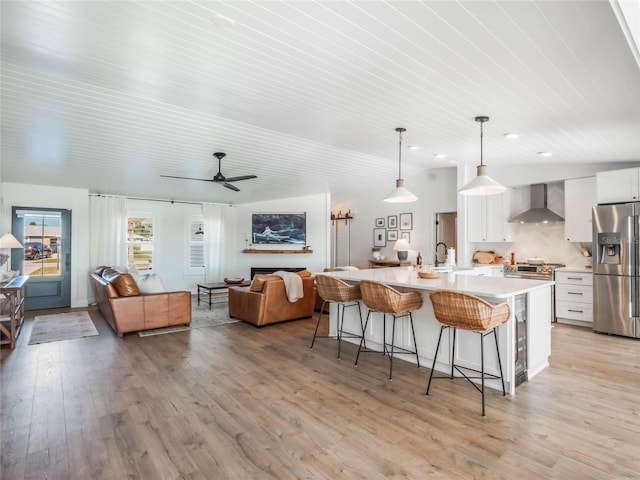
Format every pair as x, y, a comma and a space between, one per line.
35, 251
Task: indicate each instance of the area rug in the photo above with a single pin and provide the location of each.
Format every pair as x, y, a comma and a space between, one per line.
62, 326
201, 317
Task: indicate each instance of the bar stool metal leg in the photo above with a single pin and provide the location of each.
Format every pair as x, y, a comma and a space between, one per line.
315, 333
435, 357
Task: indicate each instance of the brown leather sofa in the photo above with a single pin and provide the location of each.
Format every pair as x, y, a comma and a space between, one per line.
265, 300
126, 310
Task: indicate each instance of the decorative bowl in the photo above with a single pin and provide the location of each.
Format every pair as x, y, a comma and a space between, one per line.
428, 275
233, 281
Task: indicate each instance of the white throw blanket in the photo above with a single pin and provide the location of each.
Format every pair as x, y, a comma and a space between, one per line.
292, 285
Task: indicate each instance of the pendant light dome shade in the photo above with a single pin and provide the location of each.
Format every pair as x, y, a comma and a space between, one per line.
482, 184
400, 194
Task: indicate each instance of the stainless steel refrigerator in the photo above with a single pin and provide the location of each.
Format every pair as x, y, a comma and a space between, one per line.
616, 269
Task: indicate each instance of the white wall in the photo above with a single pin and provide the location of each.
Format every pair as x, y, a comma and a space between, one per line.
74, 199
436, 191
317, 208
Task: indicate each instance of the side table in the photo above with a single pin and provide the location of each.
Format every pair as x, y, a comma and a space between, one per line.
210, 287
12, 309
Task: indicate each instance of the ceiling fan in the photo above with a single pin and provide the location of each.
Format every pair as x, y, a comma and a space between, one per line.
219, 177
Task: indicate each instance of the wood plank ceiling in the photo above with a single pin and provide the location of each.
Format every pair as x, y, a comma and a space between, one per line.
306, 95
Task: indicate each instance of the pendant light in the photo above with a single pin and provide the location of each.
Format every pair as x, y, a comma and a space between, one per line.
482, 184
400, 194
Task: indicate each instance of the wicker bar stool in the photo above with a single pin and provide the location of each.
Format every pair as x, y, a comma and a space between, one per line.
343, 294
457, 310
384, 299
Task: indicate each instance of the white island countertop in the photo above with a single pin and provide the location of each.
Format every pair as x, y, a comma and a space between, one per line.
483, 286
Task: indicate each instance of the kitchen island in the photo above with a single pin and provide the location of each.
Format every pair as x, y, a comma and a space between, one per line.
524, 341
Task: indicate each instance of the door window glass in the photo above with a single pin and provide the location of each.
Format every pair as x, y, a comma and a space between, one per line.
42, 242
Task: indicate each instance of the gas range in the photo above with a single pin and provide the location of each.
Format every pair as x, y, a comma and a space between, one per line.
536, 272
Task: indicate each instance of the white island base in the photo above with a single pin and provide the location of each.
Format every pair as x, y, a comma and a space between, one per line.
530, 302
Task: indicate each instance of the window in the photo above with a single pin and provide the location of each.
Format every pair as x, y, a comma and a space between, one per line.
195, 245
140, 241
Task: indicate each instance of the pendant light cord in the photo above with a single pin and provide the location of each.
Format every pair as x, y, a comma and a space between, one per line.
481, 147
481, 119
400, 157
400, 130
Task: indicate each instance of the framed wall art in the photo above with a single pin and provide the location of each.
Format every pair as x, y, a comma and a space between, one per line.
379, 237
406, 236
380, 222
392, 235
406, 221
392, 221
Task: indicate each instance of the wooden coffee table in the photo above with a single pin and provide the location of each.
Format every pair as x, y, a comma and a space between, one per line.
210, 287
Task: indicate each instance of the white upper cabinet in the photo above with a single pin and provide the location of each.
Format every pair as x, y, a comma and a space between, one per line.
618, 186
579, 199
487, 218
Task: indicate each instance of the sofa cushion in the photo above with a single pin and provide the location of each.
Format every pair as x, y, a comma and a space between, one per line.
149, 283
257, 284
124, 283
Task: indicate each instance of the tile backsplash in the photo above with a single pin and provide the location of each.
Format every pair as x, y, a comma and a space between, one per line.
544, 241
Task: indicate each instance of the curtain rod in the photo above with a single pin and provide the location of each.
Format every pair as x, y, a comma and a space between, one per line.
159, 200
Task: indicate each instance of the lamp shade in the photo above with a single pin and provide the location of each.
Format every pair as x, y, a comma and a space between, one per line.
400, 194
482, 184
9, 241
402, 245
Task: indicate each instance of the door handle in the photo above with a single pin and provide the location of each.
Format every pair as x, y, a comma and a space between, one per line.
67, 262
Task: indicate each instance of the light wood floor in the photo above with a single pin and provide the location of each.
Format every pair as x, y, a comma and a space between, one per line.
236, 402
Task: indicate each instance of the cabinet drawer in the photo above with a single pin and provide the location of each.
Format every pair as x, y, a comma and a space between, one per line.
574, 311
574, 293
574, 278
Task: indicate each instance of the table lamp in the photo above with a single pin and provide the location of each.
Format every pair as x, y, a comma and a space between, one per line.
8, 241
402, 247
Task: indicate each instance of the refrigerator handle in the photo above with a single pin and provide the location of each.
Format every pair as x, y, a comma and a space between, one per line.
634, 285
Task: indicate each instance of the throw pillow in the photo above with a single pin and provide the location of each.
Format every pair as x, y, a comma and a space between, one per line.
149, 283
125, 285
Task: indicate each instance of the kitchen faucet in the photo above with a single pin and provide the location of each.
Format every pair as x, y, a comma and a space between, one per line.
445, 251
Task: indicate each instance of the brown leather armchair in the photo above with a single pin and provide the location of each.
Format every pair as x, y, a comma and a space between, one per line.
265, 301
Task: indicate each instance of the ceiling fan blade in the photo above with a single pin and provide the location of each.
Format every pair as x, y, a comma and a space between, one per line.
232, 187
237, 179
188, 178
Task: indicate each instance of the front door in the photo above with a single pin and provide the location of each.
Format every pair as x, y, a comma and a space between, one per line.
46, 257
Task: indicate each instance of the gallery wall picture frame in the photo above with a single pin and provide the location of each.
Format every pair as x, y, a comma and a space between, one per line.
392, 235
392, 221
406, 236
379, 237
380, 222
406, 221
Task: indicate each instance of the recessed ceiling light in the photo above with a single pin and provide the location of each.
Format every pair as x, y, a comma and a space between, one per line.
512, 136
413, 147
439, 155
222, 21
545, 154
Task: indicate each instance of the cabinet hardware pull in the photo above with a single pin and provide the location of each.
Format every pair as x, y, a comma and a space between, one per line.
575, 278
576, 311
574, 293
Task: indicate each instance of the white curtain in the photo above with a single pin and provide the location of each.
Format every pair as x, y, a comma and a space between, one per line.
213, 242
108, 220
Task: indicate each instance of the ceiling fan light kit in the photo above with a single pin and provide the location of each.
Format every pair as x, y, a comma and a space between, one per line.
218, 177
482, 184
400, 194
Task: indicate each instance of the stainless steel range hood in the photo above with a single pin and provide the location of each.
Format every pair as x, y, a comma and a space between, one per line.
538, 213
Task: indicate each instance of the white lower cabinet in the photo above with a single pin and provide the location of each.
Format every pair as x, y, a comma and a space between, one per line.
574, 296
